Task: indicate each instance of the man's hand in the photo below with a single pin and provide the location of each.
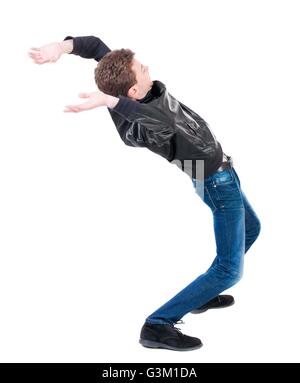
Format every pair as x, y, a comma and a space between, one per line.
50, 53
94, 99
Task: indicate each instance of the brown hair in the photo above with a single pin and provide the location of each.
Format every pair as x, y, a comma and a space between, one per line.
113, 74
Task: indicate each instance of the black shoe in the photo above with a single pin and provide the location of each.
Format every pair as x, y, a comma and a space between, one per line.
167, 336
218, 302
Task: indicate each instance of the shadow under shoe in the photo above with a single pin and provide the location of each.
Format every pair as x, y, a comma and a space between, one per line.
219, 302
167, 336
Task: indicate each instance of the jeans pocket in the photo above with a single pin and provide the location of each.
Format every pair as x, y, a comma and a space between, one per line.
227, 191
223, 178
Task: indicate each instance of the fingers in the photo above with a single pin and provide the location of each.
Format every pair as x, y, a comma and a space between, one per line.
72, 109
39, 61
37, 58
78, 108
40, 56
34, 55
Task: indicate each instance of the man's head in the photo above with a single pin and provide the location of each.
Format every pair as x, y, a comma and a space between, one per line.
119, 73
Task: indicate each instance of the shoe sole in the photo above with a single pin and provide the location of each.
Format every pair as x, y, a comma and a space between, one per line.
211, 308
152, 344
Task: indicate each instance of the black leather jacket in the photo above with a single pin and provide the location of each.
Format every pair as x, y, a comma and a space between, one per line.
160, 122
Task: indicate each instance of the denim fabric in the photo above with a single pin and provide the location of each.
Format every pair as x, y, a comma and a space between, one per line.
236, 227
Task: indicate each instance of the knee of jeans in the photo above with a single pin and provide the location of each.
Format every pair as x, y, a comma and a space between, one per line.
236, 275
233, 278
232, 274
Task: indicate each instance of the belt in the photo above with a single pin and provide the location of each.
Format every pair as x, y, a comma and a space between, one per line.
225, 164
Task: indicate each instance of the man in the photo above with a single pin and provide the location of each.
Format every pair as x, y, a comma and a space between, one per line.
146, 115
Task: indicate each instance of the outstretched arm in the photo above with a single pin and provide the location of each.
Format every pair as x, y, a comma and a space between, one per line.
87, 47
94, 100
128, 109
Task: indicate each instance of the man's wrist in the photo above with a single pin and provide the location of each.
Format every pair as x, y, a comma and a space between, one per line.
67, 46
111, 101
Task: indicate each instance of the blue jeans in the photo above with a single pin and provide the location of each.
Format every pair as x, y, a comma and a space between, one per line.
236, 227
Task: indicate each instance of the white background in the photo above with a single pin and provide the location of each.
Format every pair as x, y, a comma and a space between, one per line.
95, 235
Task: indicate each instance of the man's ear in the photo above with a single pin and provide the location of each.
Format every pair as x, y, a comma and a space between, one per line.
132, 91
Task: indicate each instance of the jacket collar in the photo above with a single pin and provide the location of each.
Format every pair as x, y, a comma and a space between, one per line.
156, 90
158, 87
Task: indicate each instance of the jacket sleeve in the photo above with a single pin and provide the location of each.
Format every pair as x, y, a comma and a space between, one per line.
132, 110
131, 133
89, 47
159, 141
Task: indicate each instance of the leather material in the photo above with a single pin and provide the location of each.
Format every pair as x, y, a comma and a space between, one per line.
219, 302
167, 336
160, 122
169, 128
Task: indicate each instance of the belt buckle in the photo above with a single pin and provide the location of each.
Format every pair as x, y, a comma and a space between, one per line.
226, 164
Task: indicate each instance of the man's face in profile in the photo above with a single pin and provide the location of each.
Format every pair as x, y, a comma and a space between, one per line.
143, 84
